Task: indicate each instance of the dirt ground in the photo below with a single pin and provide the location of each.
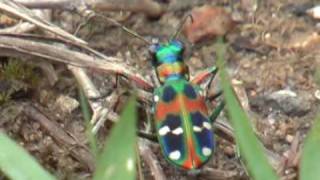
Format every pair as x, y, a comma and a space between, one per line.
272, 57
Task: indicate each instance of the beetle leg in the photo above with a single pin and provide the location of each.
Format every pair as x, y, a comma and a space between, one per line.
214, 96
149, 136
213, 116
203, 75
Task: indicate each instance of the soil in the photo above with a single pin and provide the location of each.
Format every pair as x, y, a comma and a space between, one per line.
270, 58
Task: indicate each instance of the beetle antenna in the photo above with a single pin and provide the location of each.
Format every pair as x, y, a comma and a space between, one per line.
129, 31
174, 36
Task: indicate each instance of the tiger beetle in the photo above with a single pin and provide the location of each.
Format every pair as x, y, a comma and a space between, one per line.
182, 122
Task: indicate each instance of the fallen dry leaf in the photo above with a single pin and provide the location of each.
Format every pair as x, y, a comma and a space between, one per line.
208, 21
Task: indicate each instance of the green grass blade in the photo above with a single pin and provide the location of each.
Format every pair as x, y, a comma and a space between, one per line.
310, 167
17, 164
250, 148
84, 104
118, 161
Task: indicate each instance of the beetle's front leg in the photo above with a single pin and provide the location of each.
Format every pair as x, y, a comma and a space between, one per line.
203, 75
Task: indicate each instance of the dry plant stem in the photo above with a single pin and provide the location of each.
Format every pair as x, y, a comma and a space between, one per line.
99, 110
151, 160
49, 4
25, 27
60, 136
148, 7
85, 82
111, 102
20, 11
21, 48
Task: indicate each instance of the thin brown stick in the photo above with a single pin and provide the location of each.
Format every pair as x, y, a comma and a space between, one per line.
61, 137
151, 160
148, 7
49, 4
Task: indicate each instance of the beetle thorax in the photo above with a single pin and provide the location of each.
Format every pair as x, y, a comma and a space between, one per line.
169, 62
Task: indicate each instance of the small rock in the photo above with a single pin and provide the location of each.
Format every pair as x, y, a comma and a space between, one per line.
317, 94
289, 138
314, 12
66, 103
249, 5
291, 103
229, 151
286, 101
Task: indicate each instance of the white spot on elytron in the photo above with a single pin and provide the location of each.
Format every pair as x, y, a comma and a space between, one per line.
164, 130
175, 155
197, 129
206, 125
130, 164
206, 151
177, 131
156, 98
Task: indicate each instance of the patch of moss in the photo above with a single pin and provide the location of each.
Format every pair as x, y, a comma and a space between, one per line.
19, 71
15, 76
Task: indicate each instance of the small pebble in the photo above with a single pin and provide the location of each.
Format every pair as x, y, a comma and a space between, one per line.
317, 94
289, 102
229, 151
66, 103
289, 138
271, 121
314, 12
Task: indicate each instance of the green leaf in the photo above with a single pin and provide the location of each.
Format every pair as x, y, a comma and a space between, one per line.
250, 148
310, 167
17, 164
118, 160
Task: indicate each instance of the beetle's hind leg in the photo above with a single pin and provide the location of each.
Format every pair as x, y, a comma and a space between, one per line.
216, 112
149, 136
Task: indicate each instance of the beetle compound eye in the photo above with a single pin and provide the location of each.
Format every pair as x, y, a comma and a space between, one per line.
153, 48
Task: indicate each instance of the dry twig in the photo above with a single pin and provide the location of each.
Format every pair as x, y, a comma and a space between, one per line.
64, 139
151, 160
148, 7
